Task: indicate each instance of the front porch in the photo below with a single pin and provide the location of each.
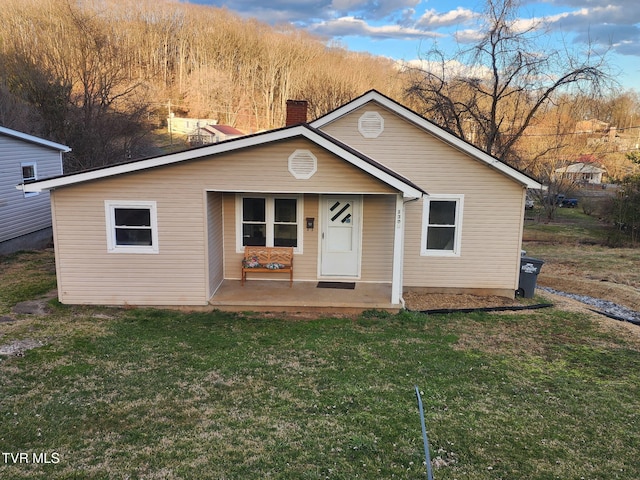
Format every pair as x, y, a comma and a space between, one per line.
277, 296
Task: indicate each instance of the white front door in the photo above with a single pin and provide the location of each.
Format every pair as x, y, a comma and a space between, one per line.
340, 252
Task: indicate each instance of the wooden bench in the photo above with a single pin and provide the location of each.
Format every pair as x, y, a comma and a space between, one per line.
267, 260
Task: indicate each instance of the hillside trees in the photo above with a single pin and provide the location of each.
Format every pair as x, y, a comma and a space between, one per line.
624, 209
71, 66
97, 75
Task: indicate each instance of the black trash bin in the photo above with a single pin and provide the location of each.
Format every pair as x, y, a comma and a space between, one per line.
529, 270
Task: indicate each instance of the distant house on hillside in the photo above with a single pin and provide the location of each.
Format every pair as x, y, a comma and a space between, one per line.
591, 126
186, 126
25, 217
582, 173
213, 134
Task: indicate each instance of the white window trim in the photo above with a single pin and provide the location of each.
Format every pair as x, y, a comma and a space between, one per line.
110, 207
425, 225
270, 220
35, 176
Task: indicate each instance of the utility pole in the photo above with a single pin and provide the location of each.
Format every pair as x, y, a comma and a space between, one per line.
169, 122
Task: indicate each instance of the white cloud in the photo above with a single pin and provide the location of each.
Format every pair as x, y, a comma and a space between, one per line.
351, 26
432, 19
468, 36
452, 68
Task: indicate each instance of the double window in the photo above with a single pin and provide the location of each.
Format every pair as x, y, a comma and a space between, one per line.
269, 220
131, 227
442, 225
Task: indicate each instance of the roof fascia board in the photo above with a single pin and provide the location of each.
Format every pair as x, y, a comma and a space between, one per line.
136, 166
223, 147
432, 128
33, 139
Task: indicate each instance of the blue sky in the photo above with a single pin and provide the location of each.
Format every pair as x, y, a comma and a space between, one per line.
401, 29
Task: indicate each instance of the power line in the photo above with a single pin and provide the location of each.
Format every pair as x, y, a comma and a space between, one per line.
566, 134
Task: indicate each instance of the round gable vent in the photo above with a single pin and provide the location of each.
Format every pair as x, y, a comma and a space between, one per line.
302, 164
371, 124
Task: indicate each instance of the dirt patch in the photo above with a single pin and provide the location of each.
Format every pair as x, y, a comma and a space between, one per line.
31, 307
439, 301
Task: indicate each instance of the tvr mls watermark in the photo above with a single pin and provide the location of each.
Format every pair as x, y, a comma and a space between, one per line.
31, 458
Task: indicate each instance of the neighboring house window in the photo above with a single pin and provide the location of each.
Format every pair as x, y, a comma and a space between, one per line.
269, 220
132, 227
29, 175
442, 225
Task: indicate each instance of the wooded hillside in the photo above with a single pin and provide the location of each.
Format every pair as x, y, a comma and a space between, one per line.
96, 75
102, 76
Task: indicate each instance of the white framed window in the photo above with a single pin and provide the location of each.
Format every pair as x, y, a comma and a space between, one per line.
29, 175
132, 226
269, 220
442, 225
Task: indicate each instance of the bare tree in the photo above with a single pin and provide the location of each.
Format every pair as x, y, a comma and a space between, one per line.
78, 79
494, 90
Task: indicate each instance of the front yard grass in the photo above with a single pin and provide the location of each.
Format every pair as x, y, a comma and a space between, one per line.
144, 393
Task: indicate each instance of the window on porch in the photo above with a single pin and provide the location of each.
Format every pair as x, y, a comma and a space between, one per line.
270, 220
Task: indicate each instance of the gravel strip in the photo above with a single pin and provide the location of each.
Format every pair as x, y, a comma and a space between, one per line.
603, 306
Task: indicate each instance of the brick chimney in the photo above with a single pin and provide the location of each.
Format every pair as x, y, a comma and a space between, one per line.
296, 112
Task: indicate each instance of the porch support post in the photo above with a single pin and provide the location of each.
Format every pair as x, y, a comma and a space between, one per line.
398, 251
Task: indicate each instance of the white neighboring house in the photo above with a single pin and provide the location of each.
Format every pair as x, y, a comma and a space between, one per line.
213, 134
185, 126
582, 173
25, 218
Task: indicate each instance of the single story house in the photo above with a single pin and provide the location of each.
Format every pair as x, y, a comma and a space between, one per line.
25, 217
581, 172
371, 194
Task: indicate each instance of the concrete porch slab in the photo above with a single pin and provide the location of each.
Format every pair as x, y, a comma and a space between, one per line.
274, 295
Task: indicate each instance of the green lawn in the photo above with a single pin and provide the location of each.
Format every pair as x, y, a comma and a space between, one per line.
155, 394
570, 225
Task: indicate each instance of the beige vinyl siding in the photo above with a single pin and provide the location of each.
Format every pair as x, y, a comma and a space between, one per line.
89, 274
182, 273
377, 238
306, 265
216, 241
265, 169
493, 204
